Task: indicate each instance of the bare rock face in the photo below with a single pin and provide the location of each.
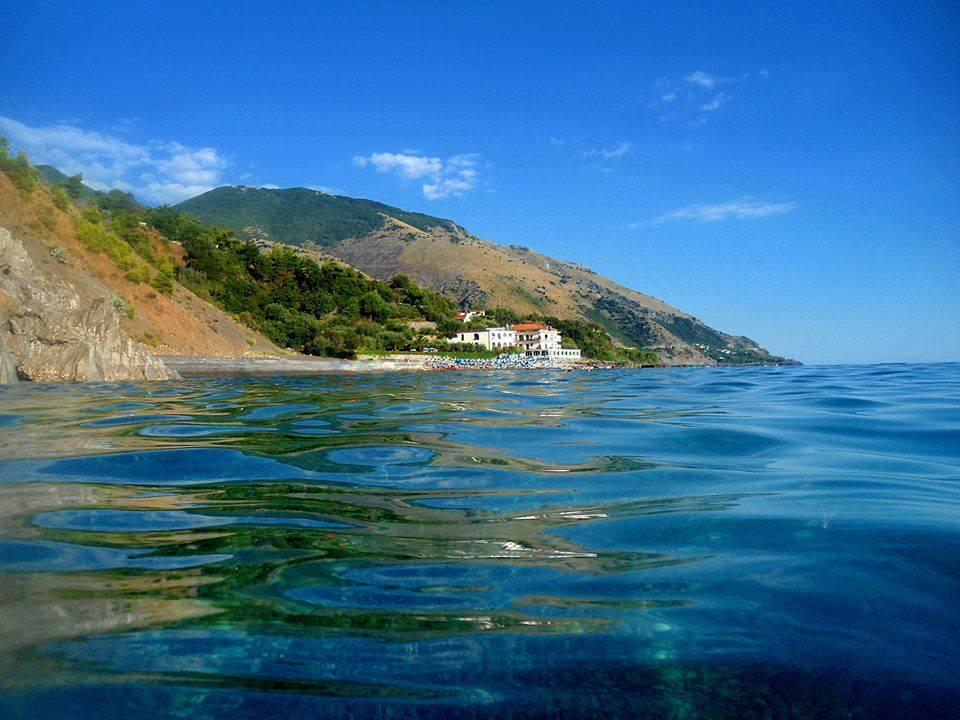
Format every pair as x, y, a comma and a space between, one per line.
50, 333
8, 370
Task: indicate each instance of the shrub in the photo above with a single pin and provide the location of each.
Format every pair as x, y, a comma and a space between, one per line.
59, 255
73, 186
96, 237
47, 217
138, 274
92, 213
317, 308
60, 197
163, 280
21, 172
373, 306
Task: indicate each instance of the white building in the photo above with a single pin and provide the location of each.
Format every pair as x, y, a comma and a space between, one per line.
491, 338
468, 315
543, 341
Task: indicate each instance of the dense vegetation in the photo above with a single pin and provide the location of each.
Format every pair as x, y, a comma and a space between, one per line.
18, 168
72, 184
116, 232
298, 216
318, 309
120, 235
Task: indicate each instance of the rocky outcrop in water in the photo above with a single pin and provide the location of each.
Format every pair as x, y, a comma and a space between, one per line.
50, 332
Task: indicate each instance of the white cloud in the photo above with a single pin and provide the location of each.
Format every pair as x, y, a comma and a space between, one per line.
718, 100
411, 167
158, 171
442, 178
610, 154
736, 209
702, 79
557, 141
193, 167
691, 98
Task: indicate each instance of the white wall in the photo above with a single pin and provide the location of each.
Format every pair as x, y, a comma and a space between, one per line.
480, 337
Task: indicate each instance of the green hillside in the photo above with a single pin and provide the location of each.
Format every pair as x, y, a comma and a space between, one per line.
471, 271
51, 176
298, 216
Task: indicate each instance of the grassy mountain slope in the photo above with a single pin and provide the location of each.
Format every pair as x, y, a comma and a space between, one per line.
382, 241
174, 323
299, 216
51, 176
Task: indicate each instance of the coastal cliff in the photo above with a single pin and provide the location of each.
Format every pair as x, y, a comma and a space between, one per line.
8, 368
49, 332
76, 303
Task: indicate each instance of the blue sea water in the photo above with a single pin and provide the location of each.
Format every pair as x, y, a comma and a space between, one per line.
684, 543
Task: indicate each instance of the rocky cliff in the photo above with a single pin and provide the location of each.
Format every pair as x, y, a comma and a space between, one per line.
8, 368
49, 332
71, 310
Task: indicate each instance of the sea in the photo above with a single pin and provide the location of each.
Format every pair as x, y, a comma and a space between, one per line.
737, 542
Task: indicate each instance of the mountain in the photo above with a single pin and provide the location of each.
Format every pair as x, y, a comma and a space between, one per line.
382, 241
50, 175
300, 216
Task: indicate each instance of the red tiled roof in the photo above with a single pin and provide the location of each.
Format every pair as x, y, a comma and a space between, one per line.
527, 326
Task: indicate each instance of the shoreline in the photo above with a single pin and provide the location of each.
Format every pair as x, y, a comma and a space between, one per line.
199, 366
306, 365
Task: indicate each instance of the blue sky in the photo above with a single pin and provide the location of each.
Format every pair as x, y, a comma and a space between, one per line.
790, 172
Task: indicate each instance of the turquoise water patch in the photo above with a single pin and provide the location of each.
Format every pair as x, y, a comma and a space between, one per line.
717, 542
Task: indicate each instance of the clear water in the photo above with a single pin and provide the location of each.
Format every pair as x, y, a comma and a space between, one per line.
742, 542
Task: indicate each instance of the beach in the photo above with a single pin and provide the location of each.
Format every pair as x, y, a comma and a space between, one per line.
308, 365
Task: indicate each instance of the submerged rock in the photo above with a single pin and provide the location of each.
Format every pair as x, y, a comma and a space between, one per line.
50, 332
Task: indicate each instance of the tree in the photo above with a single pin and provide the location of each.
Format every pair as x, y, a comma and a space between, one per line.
117, 200
73, 185
163, 280
21, 172
373, 306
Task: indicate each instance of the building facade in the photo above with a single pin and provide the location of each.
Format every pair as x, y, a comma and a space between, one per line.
491, 338
543, 341
538, 341
468, 315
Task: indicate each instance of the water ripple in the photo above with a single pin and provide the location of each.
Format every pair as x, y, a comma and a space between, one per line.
681, 542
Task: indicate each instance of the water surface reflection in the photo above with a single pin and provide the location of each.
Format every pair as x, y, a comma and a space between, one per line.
686, 543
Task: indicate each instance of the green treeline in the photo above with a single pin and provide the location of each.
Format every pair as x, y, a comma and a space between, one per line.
318, 309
